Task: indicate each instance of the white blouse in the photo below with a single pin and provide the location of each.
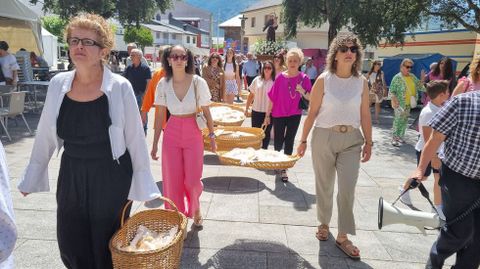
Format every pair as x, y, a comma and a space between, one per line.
260, 88
165, 96
341, 101
8, 230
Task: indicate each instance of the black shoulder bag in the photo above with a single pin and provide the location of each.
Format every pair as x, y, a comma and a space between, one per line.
303, 103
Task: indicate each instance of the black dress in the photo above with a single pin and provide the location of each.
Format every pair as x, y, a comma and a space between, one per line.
92, 187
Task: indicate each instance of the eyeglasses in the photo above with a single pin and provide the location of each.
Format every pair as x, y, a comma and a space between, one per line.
267, 68
74, 41
378, 64
175, 57
408, 66
353, 49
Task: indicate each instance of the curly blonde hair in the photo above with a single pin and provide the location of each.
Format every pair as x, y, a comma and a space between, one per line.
342, 41
95, 23
474, 68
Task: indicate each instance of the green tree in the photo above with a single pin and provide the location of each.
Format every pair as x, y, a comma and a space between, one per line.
371, 20
55, 25
140, 35
127, 11
456, 12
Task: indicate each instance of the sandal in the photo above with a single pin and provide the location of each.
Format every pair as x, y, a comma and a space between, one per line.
198, 220
349, 249
322, 232
284, 176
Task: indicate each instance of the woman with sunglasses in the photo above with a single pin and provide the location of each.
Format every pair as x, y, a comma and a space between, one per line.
470, 83
213, 74
339, 107
258, 95
93, 114
182, 93
404, 90
283, 104
232, 77
376, 81
279, 64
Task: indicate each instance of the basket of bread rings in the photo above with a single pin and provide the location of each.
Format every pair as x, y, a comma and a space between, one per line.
257, 158
149, 239
227, 115
230, 137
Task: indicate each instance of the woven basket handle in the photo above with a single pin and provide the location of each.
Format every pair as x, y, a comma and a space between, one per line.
165, 199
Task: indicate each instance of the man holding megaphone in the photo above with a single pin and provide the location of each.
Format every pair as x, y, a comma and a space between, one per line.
458, 125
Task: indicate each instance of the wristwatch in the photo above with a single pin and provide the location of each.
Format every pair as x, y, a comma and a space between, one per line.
212, 135
369, 143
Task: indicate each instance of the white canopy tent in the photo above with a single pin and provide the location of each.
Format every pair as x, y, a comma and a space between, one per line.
20, 27
50, 48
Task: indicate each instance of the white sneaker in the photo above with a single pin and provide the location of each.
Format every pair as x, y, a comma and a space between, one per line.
440, 211
406, 197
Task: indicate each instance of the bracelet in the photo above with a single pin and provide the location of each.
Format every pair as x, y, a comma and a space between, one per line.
212, 135
304, 142
370, 143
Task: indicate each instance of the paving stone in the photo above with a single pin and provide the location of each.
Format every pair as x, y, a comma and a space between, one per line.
234, 207
38, 254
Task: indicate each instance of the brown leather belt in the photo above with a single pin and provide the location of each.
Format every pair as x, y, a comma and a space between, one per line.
343, 128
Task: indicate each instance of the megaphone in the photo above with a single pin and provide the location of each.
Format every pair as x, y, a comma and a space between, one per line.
390, 214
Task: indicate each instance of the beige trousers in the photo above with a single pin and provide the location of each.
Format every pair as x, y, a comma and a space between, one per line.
335, 152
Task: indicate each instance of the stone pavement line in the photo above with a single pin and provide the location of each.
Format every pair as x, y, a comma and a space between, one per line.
277, 230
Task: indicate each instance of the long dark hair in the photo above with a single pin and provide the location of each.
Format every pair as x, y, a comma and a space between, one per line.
379, 73
215, 55
448, 68
262, 74
233, 60
189, 68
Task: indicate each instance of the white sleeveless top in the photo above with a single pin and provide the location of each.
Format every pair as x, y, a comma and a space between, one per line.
341, 101
229, 70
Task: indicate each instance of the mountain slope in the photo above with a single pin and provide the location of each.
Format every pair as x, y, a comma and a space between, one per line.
222, 10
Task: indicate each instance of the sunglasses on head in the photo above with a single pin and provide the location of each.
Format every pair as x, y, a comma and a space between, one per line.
352, 49
176, 57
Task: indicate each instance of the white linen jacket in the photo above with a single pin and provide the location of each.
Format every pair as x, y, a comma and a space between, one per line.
126, 132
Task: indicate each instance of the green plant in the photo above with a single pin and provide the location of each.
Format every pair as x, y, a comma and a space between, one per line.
263, 47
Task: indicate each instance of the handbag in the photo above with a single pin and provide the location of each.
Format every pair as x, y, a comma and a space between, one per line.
199, 117
303, 103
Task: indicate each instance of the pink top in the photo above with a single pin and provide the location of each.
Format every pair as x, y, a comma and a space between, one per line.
469, 85
284, 97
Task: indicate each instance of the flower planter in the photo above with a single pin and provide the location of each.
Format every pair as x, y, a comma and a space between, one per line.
263, 58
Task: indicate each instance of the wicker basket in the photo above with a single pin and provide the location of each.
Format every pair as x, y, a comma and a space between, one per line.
227, 143
158, 220
233, 123
258, 165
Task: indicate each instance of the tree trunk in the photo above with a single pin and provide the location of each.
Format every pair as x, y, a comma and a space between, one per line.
332, 32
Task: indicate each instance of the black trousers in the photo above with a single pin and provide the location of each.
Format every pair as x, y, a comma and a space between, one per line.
91, 194
284, 130
257, 121
462, 237
249, 80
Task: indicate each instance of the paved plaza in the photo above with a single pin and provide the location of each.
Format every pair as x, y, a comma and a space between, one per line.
252, 219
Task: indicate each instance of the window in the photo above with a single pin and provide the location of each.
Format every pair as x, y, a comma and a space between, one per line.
188, 39
194, 40
158, 17
174, 36
157, 34
165, 35
253, 22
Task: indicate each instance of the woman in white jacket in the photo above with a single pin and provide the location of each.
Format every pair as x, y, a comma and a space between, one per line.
93, 114
8, 230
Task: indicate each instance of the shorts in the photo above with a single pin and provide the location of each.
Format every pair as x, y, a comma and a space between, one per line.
231, 87
429, 169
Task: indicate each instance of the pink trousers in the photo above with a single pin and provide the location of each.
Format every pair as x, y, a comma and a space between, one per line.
182, 164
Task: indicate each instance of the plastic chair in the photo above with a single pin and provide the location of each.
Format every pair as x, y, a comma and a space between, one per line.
15, 108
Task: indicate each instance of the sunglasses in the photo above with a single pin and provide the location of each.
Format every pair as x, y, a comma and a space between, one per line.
267, 68
175, 57
74, 41
378, 64
408, 66
352, 49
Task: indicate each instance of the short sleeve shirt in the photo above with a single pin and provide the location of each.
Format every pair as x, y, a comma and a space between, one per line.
165, 96
459, 121
9, 64
138, 77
